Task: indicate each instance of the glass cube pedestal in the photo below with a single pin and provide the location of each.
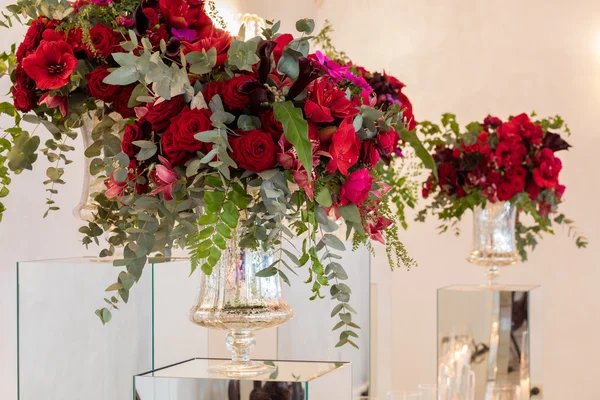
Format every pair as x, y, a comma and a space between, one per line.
294, 380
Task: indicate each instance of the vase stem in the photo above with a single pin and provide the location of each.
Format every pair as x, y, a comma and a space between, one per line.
493, 273
240, 342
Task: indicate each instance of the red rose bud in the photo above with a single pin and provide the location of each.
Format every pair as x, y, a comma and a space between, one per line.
387, 142
254, 151
51, 65
356, 188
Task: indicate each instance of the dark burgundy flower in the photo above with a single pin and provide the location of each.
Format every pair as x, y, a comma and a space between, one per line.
554, 142
233, 97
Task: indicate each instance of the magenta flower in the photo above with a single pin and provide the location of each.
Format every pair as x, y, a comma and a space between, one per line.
164, 177
124, 21
102, 3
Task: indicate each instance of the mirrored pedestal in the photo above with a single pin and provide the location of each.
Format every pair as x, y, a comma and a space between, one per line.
488, 331
294, 380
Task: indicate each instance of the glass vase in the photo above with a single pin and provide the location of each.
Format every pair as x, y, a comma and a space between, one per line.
85, 209
233, 298
494, 239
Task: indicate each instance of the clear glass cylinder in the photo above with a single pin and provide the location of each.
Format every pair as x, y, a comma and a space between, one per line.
494, 239
233, 298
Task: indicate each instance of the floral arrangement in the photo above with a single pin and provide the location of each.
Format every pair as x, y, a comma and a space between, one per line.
199, 135
497, 160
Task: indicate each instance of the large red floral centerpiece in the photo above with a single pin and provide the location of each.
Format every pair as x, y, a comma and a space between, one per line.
203, 139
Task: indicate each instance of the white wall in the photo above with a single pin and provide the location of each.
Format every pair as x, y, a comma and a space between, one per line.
471, 57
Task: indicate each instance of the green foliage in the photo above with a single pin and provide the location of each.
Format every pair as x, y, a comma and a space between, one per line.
295, 129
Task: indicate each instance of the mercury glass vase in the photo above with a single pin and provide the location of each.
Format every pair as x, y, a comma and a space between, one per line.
85, 209
233, 298
494, 240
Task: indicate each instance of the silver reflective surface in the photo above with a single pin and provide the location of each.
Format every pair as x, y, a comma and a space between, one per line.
290, 380
487, 330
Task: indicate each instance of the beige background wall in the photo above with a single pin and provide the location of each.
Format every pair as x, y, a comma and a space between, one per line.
471, 57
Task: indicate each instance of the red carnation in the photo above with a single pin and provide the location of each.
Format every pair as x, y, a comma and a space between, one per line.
160, 114
546, 175
344, 148
187, 15
24, 99
326, 102
97, 88
282, 41
356, 188
232, 96
51, 64
104, 41
271, 125
220, 40
254, 151
120, 103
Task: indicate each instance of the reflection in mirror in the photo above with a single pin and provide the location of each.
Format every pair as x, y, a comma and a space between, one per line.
485, 331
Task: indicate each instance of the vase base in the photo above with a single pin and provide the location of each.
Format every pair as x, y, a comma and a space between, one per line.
242, 369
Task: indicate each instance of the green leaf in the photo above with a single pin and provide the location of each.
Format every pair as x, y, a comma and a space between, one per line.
206, 232
350, 213
123, 76
238, 199
305, 25
220, 242
284, 277
113, 287
338, 325
265, 273
295, 129
337, 309
333, 241
411, 138
224, 230
324, 197
106, 316
208, 219
214, 197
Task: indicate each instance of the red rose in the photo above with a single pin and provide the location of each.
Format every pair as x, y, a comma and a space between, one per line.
104, 41
74, 38
187, 15
232, 97
483, 137
22, 79
270, 124
326, 102
97, 88
212, 89
505, 191
370, 155
448, 178
132, 133
282, 41
527, 129
120, 102
179, 143
220, 40
516, 176
24, 99
160, 114
493, 177
509, 153
254, 151
51, 64
344, 148
533, 190
387, 142
176, 156
32, 38
356, 188
546, 175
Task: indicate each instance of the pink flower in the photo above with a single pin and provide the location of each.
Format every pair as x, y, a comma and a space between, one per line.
376, 226
62, 102
114, 188
164, 177
102, 3
356, 189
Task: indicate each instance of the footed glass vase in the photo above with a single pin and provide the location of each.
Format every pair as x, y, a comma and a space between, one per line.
233, 298
494, 239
